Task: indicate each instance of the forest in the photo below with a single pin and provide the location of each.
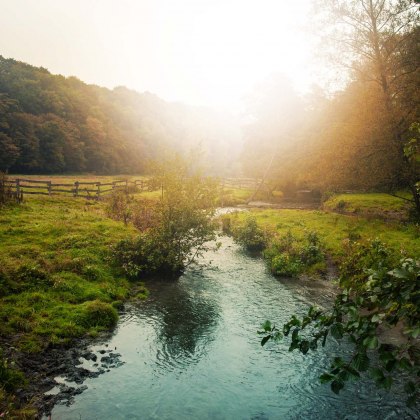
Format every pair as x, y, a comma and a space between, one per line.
52, 124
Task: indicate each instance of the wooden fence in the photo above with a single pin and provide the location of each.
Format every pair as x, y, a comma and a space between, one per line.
97, 189
89, 190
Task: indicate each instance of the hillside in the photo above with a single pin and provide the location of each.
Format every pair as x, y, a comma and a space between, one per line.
53, 124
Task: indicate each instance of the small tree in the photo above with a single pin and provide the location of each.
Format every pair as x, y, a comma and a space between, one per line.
182, 222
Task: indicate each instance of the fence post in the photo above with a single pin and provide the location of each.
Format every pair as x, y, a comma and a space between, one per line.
98, 192
76, 189
17, 187
49, 187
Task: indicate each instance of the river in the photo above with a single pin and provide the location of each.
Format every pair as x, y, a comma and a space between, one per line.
191, 351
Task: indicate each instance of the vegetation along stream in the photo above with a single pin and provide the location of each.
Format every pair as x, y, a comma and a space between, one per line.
192, 351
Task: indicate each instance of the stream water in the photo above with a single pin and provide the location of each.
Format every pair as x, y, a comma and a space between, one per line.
191, 352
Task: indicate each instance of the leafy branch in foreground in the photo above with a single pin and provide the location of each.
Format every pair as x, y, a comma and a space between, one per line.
388, 299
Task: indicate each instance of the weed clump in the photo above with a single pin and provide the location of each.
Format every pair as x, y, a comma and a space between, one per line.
288, 256
96, 314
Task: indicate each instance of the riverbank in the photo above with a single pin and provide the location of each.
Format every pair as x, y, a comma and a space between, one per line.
57, 286
335, 230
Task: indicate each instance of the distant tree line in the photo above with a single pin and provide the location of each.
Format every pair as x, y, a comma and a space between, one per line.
53, 124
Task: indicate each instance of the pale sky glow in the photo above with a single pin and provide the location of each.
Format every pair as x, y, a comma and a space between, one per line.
204, 52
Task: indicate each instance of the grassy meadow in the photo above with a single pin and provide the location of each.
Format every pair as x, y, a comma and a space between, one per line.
56, 282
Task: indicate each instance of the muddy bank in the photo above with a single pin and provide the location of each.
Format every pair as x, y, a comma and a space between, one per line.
57, 374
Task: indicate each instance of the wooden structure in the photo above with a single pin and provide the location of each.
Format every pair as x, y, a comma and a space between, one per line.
89, 190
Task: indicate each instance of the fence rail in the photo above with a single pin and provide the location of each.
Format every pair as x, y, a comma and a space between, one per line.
90, 190
97, 189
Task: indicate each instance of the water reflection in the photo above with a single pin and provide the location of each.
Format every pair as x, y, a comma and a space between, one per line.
188, 318
191, 352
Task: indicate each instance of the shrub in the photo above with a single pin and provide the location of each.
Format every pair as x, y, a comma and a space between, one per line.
341, 205
250, 235
286, 265
361, 256
288, 256
118, 206
312, 253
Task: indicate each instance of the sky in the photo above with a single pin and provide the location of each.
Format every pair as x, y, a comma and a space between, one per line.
200, 52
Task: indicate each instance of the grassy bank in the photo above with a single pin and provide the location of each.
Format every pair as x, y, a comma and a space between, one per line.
55, 280
370, 204
335, 229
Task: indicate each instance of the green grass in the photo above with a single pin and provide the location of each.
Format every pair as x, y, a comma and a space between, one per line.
55, 277
335, 229
371, 203
234, 196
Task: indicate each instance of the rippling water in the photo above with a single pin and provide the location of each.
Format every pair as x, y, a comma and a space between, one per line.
191, 352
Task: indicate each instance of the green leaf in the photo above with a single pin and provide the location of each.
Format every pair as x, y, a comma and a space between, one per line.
337, 386
337, 330
265, 339
326, 377
371, 342
413, 332
399, 273
404, 364
377, 374
361, 362
375, 318
266, 326
304, 346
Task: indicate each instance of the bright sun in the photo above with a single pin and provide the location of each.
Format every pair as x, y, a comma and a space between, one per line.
213, 52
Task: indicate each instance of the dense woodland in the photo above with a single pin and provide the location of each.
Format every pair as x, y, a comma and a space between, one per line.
53, 124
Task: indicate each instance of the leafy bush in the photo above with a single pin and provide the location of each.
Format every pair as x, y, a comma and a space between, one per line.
341, 205
361, 256
287, 256
311, 252
119, 206
178, 226
250, 235
286, 265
